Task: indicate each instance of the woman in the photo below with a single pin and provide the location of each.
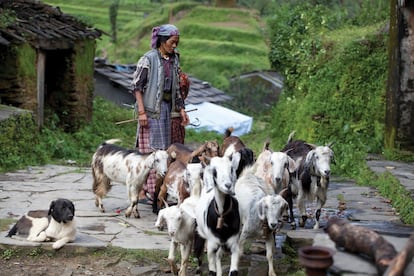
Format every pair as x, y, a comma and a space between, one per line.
157, 92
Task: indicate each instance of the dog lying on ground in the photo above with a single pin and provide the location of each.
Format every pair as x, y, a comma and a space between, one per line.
56, 224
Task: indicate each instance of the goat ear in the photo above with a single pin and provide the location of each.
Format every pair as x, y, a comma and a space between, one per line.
235, 160
160, 220
333, 158
208, 179
291, 165
284, 206
261, 209
309, 158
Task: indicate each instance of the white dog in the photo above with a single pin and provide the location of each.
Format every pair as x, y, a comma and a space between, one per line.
56, 225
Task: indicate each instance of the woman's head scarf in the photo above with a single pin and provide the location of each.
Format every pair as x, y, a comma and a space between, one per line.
163, 30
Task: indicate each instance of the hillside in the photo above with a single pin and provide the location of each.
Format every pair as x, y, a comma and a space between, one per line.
215, 43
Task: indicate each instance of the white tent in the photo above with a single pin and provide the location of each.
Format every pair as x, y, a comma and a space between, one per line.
212, 117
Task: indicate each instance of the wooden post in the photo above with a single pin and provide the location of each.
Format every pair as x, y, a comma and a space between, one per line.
41, 63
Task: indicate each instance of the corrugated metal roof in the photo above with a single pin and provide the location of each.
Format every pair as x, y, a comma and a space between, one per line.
200, 91
41, 25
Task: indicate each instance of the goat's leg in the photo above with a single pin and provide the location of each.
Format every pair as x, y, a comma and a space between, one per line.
101, 186
211, 257
270, 243
233, 243
320, 202
199, 243
219, 255
133, 191
302, 211
156, 203
171, 257
185, 255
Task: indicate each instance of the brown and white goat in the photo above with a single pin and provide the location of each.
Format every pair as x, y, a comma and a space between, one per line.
274, 168
232, 144
111, 163
311, 179
176, 183
177, 151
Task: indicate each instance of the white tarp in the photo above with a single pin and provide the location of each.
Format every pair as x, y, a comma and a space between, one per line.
212, 117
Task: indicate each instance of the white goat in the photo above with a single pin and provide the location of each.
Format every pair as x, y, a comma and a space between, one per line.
260, 212
217, 212
181, 225
311, 180
113, 163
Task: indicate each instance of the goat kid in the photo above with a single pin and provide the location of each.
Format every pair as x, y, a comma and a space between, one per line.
217, 213
275, 167
311, 179
260, 213
111, 163
180, 221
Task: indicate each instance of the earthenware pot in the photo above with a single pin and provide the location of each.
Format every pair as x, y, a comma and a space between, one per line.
316, 259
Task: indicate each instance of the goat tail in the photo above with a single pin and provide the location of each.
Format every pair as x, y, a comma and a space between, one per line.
228, 132
290, 138
112, 141
198, 249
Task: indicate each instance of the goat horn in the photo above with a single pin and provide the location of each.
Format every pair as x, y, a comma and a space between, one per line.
287, 151
266, 145
199, 150
330, 144
311, 145
290, 138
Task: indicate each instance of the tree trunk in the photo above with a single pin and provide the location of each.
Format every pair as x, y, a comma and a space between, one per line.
357, 239
401, 261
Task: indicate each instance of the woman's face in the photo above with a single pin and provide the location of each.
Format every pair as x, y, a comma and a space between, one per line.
170, 45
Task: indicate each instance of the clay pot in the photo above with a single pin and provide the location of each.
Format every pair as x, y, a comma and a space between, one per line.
316, 259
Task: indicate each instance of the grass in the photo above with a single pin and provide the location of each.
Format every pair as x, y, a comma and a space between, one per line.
229, 40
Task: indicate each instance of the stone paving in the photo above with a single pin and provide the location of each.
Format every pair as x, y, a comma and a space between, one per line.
35, 187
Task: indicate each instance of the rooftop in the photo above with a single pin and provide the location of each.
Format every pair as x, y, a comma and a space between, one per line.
41, 25
200, 91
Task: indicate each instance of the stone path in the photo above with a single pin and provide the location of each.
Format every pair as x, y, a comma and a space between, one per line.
34, 188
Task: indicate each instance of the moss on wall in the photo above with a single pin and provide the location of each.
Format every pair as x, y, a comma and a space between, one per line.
83, 74
27, 76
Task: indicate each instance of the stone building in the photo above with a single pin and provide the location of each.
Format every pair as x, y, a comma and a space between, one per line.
46, 62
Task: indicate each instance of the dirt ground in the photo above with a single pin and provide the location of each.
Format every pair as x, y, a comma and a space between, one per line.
19, 263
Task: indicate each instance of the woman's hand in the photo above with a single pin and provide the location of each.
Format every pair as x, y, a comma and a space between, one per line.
143, 120
185, 120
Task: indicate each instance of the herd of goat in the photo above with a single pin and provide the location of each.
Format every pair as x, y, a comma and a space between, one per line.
223, 194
